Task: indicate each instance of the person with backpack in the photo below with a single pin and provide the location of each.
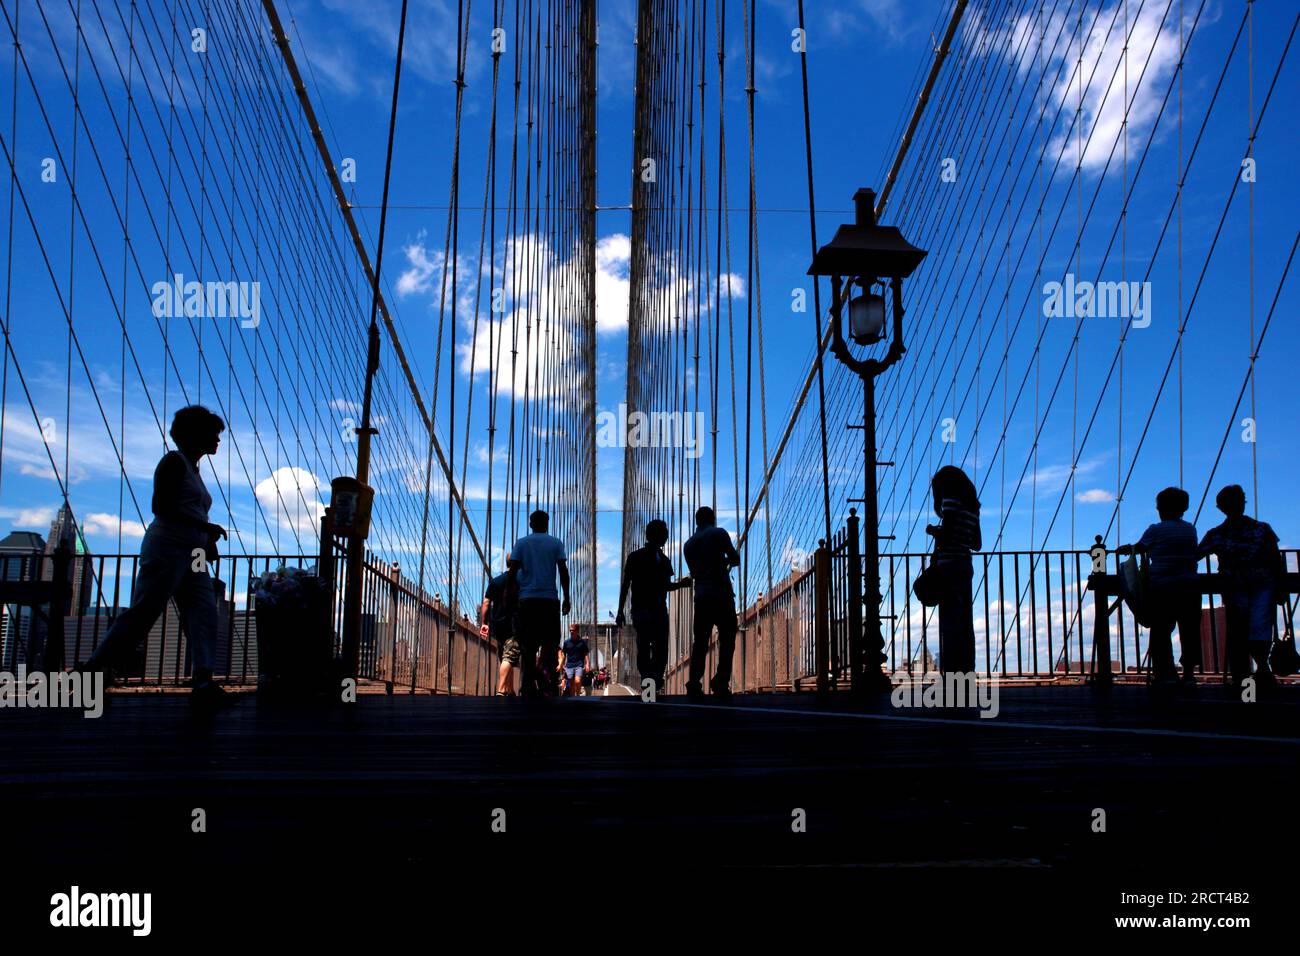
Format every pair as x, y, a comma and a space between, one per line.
498, 616
1249, 565
1173, 597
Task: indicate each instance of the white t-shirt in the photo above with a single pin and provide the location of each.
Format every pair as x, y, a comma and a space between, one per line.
539, 554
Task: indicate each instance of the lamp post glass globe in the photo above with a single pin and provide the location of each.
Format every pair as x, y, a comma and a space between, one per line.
867, 318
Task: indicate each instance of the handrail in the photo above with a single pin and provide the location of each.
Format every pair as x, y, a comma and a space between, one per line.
413, 640
1030, 609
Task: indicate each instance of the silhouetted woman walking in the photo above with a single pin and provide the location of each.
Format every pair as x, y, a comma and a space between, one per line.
955, 537
178, 546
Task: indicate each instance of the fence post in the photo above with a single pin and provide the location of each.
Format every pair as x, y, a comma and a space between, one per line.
822, 622
394, 573
1101, 675
856, 673
325, 570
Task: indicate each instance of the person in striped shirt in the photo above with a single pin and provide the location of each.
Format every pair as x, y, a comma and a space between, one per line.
956, 536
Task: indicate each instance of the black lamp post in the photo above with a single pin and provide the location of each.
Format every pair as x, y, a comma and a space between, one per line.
867, 255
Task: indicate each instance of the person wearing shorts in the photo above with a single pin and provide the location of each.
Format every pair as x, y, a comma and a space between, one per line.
497, 614
574, 653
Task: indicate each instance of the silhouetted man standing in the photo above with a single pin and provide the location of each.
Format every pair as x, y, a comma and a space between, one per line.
710, 556
534, 561
649, 574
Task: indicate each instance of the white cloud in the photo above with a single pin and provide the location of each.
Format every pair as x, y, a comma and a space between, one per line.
90, 453
613, 258
733, 283
293, 496
616, 63
1095, 496
99, 522
793, 557
531, 346
1050, 479
29, 518
430, 43
422, 264
892, 19
1097, 91
329, 64
347, 405
607, 554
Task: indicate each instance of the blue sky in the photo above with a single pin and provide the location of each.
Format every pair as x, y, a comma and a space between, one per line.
865, 57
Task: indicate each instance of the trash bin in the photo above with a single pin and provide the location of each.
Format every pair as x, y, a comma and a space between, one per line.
295, 646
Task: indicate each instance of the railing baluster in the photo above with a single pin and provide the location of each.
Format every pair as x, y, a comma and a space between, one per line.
405, 642
1047, 594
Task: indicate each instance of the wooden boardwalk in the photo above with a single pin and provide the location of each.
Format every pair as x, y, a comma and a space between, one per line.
417, 778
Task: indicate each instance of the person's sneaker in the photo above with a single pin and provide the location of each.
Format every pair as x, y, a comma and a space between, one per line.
1188, 680
209, 697
695, 694
722, 694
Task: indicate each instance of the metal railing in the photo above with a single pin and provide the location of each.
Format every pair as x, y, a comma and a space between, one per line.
1127, 650
1033, 612
1028, 609
775, 643
409, 639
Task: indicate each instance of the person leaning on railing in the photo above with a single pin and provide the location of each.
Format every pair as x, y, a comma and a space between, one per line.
1250, 565
1175, 598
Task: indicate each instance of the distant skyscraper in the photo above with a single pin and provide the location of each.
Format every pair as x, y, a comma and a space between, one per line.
20, 554
64, 529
